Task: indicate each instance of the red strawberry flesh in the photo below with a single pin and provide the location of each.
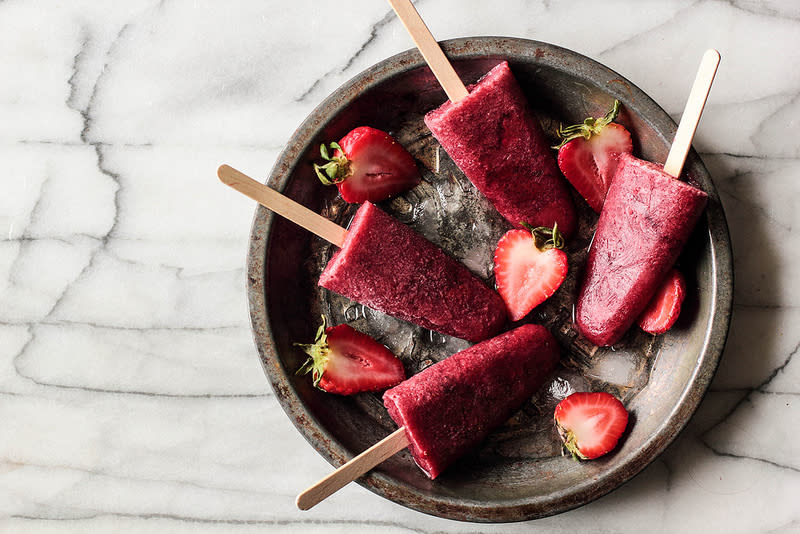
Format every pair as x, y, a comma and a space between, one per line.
371, 166
526, 276
346, 361
590, 424
589, 154
665, 306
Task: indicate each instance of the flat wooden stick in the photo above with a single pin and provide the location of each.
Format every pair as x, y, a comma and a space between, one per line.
691, 113
388, 446
430, 49
282, 205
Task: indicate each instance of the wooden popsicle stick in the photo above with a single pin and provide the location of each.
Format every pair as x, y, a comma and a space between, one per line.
388, 446
282, 205
430, 49
691, 113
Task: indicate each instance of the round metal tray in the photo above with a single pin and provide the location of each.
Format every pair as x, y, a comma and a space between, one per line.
518, 473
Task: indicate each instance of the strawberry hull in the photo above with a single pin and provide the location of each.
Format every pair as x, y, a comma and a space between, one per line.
493, 138
450, 407
646, 220
387, 266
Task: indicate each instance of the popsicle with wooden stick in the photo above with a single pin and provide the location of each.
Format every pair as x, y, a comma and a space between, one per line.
491, 134
385, 265
644, 224
450, 407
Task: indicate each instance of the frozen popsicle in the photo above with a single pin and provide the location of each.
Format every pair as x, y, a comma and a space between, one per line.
387, 266
498, 144
489, 132
645, 222
450, 407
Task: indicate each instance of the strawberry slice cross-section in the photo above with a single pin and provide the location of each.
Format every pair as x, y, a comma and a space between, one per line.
590, 424
529, 266
665, 306
345, 361
367, 164
589, 153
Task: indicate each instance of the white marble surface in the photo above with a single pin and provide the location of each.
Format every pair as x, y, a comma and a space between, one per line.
131, 397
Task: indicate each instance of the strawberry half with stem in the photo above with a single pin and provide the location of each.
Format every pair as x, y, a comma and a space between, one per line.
665, 306
529, 266
367, 165
589, 153
343, 360
590, 424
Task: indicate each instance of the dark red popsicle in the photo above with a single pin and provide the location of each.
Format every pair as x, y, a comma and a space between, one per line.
498, 144
450, 407
645, 222
387, 266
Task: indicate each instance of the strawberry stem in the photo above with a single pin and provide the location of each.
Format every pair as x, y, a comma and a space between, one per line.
318, 355
570, 443
336, 170
590, 126
545, 238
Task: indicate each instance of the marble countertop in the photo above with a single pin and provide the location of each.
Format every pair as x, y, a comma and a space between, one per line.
131, 395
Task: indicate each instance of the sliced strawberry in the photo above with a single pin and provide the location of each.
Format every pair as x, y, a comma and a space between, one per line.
368, 165
345, 361
590, 424
665, 306
529, 266
589, 153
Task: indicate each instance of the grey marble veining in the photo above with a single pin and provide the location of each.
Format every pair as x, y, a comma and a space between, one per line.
131, 397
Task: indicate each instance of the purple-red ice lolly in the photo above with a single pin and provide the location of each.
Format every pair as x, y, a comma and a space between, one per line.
450, 407
645, 222
495, 140
387, 266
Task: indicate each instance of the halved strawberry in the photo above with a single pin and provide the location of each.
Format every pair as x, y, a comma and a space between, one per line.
368, 165
589, 153
343, 360
529, 266
590, 424
665, 306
